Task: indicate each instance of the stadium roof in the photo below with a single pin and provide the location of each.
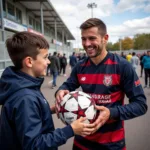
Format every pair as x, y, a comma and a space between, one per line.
49, 14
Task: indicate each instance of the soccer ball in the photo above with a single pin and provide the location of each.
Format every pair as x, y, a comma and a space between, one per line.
74, 105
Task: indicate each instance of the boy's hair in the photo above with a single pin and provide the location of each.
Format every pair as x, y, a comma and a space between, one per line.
24, 44
94, 22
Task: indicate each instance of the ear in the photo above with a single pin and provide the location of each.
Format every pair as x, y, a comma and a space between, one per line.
28, 62
106, 37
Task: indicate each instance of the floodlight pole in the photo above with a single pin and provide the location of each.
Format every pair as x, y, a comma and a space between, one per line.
92, 6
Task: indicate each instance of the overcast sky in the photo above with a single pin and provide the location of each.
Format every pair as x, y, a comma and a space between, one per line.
122, 17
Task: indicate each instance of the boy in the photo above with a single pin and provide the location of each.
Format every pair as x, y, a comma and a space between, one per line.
26, 120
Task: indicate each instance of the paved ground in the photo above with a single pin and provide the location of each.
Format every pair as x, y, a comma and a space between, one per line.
137, 130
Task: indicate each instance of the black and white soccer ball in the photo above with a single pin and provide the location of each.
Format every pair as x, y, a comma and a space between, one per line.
76, 104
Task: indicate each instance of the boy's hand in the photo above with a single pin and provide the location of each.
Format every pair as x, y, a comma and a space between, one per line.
81, 128
53, 109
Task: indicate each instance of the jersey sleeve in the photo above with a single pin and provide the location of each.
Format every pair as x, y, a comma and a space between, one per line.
72, 82
131, 86
29, 129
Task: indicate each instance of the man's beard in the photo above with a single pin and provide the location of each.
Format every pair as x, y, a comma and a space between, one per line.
99, 51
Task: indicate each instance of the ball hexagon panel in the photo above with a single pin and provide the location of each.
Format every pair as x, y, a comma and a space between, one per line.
84, 102
71, 105
70, 117
90, 112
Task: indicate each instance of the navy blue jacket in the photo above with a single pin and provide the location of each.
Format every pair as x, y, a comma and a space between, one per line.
107, 83
26, 121
73, 60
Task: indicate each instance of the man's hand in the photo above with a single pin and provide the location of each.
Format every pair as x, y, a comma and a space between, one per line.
104, 115
60, 94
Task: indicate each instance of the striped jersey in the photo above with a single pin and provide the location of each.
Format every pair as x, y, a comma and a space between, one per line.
108, 82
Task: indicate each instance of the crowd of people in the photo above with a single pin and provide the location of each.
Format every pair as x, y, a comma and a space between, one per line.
144, 61
58, 64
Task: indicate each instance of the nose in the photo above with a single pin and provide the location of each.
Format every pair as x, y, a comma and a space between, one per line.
86, 42
48, 61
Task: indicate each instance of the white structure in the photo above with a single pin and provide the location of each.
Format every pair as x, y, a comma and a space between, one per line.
38, 16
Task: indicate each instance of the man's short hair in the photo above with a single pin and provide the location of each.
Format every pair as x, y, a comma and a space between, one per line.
94, 22
23, 44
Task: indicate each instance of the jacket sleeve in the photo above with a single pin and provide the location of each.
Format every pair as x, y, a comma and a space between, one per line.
29, 127
130, 84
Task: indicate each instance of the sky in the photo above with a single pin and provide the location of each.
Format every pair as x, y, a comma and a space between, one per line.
122, 17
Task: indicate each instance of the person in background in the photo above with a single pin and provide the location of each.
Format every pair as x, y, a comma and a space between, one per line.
73, 60
48, 67
107, 77
146, 64
128, 57
122, 55
141, 64
26, 121
54, 67
63, 64
84, 56
134, 60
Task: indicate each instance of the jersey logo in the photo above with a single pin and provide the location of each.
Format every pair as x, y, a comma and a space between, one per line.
83, 78
107, 80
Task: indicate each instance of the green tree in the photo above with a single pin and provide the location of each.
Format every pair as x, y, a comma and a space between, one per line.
127, 43
116, 46
109, 46
142, 41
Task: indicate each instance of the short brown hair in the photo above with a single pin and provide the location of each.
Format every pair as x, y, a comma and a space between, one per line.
94, 22
24, 44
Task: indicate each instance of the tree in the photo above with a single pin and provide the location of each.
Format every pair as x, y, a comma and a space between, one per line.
109, 46
127, 43
142, 41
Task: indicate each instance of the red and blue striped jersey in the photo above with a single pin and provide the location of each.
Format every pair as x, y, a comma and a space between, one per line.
108, 82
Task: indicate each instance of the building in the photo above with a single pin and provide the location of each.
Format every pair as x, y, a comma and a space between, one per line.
38, 16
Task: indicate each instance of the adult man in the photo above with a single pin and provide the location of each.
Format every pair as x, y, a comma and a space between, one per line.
146, 64
128, 57
134, 60
107, 78
54, 67
73, 60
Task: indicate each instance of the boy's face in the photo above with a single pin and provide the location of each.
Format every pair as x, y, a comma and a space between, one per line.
39, 66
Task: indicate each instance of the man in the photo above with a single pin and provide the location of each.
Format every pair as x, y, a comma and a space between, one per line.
128, 57
146, 64
134, 60
63, 64
73, 60
54, 67
107, 78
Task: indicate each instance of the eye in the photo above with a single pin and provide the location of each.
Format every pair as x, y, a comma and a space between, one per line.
92, 38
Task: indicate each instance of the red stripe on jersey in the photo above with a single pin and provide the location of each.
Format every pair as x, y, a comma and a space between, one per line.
105, 79
108, 137
110, 62
79, 145
86, 63
107, 98
124, 148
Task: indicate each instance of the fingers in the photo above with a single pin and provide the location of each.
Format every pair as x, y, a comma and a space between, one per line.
82, 119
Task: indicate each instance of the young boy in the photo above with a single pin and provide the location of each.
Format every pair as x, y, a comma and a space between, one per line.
26, 119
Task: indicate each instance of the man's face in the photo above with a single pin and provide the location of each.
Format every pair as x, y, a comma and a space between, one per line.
40, 64
93, 42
